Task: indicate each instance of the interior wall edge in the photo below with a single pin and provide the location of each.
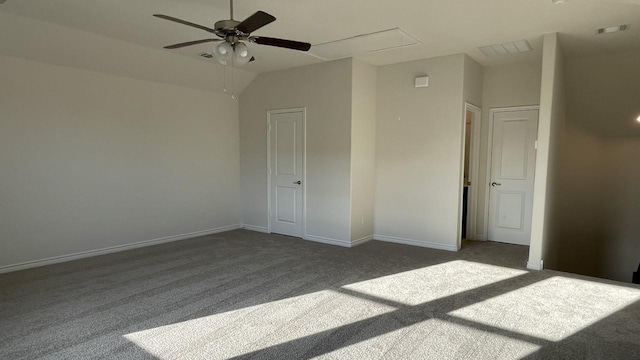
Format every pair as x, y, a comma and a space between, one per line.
419, 243
261, 229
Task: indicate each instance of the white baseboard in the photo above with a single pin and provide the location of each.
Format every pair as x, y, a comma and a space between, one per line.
425, 244
324, 240
535, 266
361, 240
259, 229
112, 249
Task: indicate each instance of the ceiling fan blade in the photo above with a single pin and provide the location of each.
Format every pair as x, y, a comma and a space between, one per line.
183, 22
255, 22
288, 44
190, 43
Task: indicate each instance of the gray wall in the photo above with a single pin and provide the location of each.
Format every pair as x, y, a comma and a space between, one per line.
92, 161
619, 181
598, 197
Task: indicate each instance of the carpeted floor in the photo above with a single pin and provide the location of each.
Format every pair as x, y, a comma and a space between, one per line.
249, 295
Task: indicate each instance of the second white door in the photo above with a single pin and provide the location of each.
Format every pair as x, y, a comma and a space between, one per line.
286, 141
513, 157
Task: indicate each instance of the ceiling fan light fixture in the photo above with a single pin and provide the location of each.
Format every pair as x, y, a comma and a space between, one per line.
231, 33
223, 52
241, 54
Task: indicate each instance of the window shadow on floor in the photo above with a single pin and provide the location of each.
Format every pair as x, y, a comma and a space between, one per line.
72, 309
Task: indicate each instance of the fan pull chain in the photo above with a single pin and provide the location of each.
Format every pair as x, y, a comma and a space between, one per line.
224, 81
233, 95
401, 84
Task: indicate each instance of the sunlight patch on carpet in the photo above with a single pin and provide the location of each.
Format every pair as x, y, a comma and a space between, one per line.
552, 309
435, 339
253, 328
434, 282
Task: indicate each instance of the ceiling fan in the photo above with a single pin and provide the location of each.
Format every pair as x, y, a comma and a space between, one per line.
232, 36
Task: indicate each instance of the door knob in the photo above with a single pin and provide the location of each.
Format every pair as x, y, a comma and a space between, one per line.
298, 182
494, 184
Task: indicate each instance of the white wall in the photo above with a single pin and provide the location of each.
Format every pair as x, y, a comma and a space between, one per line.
557, 133
52, 44
418, 152
325, 90
503, 86
473, 81
363, 149
91, 161
551, 122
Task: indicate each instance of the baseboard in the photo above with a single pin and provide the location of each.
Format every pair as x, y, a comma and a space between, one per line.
259, 229
343, 243
535, 266
480, 237
112, 249
361, 240
425, 244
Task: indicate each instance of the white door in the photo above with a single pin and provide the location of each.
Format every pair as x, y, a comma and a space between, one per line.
513, 157
286, 154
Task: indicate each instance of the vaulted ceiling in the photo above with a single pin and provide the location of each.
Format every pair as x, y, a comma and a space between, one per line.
121, 36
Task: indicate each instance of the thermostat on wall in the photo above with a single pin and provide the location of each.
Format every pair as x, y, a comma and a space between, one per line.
422, 81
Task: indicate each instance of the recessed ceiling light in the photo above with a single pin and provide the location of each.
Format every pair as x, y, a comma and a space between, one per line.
638, 119
612, 29
558, 2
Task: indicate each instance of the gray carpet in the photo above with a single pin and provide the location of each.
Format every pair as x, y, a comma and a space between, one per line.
249, 295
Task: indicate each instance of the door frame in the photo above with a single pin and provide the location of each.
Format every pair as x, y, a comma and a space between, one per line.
487, 193
303, 110
474, 167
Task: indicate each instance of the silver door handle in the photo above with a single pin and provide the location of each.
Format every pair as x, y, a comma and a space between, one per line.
494, 184
298, 182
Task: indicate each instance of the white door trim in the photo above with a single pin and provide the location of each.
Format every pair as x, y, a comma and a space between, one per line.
304, 164
474, 167
492, 111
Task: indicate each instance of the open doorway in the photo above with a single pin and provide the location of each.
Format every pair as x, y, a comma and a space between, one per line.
471, 153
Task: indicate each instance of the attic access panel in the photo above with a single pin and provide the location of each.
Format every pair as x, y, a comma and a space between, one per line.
362, 44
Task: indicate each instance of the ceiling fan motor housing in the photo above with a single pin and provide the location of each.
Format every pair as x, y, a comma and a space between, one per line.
226, 28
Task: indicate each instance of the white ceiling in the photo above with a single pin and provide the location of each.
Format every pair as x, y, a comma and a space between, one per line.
443, 27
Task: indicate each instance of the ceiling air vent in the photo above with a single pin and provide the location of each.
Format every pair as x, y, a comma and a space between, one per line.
506, 48
612, 29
